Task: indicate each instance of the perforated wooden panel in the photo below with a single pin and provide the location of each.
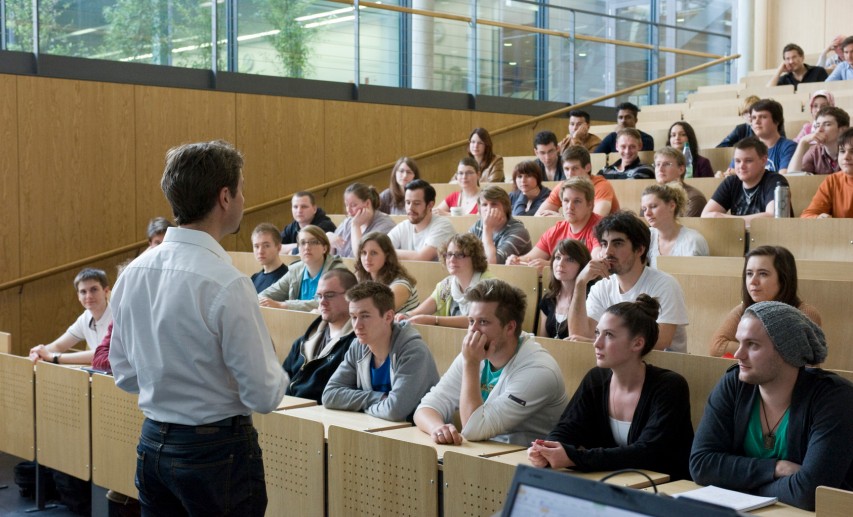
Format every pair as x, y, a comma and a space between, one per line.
17, 407
116, 424
474, 486
62, 419
294, 464
372, 475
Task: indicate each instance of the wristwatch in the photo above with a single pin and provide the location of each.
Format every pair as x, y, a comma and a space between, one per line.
56, 358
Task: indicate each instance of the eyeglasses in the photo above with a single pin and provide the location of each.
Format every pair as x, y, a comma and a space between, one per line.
326, 296
466, 173
449, 255
314, 242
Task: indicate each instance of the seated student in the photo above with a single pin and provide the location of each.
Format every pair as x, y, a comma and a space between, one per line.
422, 233
623, 276
568, 259
844, 70
296, 289
670, 166
661, 207
769, 274
315, 356
266, 246
681, 134
576, 163
463, 201
628, 144
579, 224
392, 200
773, 427
465, 260
834, 197
817, 100
101, 358
768, 124
744, 130
93, 291
793, 69
362, 205
626, 118
305, 211
579, 133
831, 55
505, 386
625, 414
157, 230
378, 261
817, 152
547, 156
501, 234
489, 165
528, 192
748, 194
389, 368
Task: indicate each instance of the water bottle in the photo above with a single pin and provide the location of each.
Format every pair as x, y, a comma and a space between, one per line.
688, 156
782, 198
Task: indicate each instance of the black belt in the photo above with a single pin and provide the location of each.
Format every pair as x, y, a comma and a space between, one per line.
225, 422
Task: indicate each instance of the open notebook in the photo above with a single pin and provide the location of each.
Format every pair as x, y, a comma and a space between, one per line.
729, 498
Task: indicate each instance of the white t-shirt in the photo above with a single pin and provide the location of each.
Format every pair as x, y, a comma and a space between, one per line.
439, 231
689, 243
92, 331
654, 283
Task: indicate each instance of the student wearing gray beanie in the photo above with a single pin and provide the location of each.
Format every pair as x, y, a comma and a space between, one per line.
773, 426
797, 338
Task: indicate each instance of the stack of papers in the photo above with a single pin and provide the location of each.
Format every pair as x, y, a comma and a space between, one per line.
728, 498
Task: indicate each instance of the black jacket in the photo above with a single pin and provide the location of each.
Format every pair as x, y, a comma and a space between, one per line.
308, 380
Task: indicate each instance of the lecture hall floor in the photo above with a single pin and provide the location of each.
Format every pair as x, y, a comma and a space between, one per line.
11, 503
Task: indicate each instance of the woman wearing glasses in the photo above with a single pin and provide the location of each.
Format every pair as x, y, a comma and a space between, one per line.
466, 200
296, 289
377, 261
465, 260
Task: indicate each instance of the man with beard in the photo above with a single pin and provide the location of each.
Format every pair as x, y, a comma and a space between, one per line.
623, 276
419, 237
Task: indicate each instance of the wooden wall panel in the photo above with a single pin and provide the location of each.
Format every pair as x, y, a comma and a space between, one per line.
76, 169
282, 140
165, 118
10, 260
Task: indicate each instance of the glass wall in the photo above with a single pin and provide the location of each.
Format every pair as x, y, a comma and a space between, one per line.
459, 50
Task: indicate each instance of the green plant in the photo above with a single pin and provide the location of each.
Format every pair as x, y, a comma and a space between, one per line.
292, 42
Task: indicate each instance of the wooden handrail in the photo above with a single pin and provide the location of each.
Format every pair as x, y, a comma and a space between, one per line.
373, 170
525, 28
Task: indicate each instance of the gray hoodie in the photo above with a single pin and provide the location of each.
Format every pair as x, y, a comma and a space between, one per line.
413, 373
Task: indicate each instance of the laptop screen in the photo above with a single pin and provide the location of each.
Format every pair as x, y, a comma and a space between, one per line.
547, 492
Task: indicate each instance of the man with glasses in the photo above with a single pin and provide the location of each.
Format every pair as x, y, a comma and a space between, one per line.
420, 236
548, 156
389, 368
315, 356
505, 386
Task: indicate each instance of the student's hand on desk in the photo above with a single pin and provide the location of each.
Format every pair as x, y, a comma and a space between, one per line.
40, 353
539, 264
446, 435
547, 213
535, 457
266, 302
786, 468
553, 453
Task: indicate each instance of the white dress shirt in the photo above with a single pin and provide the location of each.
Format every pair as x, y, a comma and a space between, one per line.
188, 335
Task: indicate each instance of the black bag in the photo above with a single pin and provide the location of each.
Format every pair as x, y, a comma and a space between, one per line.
74, 493
25, 478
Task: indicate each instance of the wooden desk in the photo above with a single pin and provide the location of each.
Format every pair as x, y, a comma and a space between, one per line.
482, 449
289, 402
630, 480
346, 419
778, 509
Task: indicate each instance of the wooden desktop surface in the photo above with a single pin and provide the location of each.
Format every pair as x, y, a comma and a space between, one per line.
347, 419
775, 510
289, 402
484, 449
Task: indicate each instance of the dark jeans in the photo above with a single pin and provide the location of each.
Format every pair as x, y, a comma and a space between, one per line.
214, 469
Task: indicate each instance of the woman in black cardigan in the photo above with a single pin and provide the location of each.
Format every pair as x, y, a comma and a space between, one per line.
625, 413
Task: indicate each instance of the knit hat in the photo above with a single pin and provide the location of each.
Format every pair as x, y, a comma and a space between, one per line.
797, 338
830, 98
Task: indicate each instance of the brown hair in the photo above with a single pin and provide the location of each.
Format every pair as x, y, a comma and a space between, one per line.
579, 184
364, 193
576, 153
470, 245
640, 318
528, 167
270, 230
574, 250
392, 269
512, 302
382, 296
786, 270
489, 153
319, 234
495, 193
398, 195
670, 192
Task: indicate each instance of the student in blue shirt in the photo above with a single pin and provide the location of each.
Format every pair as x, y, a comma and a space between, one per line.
387, 371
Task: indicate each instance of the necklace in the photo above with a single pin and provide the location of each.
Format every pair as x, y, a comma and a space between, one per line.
749, 195
770, 437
